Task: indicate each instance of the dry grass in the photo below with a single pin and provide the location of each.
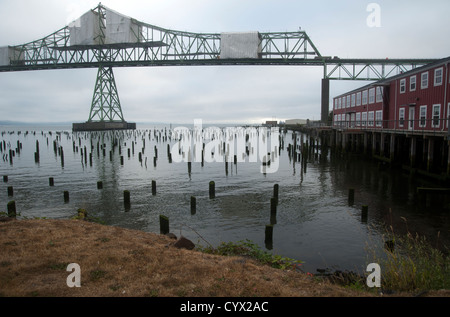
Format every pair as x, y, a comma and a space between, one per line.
121, 262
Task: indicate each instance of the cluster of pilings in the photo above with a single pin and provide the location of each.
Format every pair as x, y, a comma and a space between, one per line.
419, 153
89, 144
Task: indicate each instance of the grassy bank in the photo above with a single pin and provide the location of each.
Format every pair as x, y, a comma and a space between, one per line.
122, 262
411, 263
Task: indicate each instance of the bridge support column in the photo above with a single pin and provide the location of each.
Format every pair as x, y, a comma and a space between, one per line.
325, 100
106, 112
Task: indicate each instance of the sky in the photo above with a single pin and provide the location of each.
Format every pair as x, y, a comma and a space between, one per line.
217, 94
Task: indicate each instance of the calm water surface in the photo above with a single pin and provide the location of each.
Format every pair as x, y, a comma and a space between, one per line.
314, 222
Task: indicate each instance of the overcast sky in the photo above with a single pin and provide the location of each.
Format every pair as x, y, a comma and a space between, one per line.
223, 94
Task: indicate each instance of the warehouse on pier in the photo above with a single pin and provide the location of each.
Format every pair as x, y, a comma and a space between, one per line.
403, 119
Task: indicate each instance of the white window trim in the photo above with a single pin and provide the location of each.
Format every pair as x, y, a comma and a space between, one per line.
448, 113
439, 116
371, 95
364, 118
378, 118
422, 86
441, 77
378, 94
358, 99
364, 97
370, 119
353, 100
402, 86
422, 125
401, 117
411, 82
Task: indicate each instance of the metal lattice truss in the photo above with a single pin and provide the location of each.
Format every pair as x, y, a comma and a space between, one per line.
156, 46
152, 46
364, 69
105, 101
103, 38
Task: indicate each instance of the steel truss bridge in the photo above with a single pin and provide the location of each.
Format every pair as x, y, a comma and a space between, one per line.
89, 43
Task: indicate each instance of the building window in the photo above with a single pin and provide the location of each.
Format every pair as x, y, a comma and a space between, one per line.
424, 80
358, 119
448, 113
352, 120
423, 116
364, 118
379, 94
436, 116
402, 86
353, 100
379, 118
364, 97
370, 123
438, 77
348, 101
358, 99
401, 117
412, 83
372, 95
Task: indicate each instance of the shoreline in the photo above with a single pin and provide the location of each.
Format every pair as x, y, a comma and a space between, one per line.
118, 262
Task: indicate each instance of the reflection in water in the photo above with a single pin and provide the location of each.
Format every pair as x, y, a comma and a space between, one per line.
313, 220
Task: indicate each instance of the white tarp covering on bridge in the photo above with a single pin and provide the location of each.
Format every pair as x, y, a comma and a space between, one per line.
121, 29
240, 45
85, 30
8, 54
4, 56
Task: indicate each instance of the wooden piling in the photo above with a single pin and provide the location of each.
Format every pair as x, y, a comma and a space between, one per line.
193, 205
275, 192
99, 185
66, 196
268, 239
212, 189
153, 187
273, 206
5, 178
163, 224
364, 213
10, 191
126, 197
51, 181
12, 209
351, 196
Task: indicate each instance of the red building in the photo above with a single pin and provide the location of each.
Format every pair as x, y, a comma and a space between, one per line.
417, 100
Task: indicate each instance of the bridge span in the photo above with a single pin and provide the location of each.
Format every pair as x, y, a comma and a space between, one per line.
103, 38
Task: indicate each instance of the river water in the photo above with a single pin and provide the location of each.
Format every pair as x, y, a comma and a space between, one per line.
314, 221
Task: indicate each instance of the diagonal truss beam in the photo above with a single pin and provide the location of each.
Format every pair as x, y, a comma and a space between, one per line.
369, 69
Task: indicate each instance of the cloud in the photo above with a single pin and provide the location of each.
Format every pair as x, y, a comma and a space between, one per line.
409, 29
